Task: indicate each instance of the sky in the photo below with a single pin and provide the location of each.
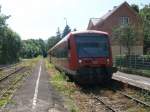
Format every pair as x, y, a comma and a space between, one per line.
41, 18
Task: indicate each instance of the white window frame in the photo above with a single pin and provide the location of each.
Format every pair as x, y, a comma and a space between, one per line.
124, 20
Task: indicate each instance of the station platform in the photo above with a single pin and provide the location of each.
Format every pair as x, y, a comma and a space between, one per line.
134, 80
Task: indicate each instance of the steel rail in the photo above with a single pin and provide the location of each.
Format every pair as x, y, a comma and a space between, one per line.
136, 100
124, 94
104, 103
9, 87
8, 66
130, 97
5, 77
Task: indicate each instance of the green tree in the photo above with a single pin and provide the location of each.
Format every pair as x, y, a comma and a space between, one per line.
126, 36
66, 31
32, 48
10, 42
74, 29
42, 45
58, 34
52, 41
135, 8
145, 15
10, 46
3, 19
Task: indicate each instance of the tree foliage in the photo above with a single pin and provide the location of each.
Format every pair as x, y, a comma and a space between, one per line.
10, 42
33, 48
66, 31
74, 29
52, 41
135, 8
58, 34
145, 15
126, 36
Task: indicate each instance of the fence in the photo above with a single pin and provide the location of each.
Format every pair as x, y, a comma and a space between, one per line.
134, 61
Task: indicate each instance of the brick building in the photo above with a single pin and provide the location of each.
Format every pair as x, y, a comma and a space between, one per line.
119, 15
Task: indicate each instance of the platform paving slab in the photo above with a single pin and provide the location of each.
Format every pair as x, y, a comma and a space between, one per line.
135, 80
33, 98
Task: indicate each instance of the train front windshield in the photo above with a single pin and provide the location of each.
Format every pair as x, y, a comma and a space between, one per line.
92, 46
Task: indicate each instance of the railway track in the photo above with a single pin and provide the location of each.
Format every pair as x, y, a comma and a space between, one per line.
7, 93
9, 87
9, 74
6, 83
10, 83
8, 66
116, 106
101, 100
135, 99
110, 106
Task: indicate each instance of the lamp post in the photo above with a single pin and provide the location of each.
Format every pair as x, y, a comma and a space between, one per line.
65, 20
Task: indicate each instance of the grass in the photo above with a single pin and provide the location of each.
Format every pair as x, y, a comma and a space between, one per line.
60, 81
137, 108
3, 101
29, 62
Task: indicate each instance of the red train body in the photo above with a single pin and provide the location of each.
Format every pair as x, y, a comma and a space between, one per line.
85, 56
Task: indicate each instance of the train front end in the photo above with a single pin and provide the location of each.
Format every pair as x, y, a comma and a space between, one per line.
94, 57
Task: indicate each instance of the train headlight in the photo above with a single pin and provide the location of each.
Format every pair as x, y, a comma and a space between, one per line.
80, 61
107, 61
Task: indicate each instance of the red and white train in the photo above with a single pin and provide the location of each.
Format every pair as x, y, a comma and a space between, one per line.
85, 56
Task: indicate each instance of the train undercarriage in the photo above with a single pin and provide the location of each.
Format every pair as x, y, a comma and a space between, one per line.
90, 75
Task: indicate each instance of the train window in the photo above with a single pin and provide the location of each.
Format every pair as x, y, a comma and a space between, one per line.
61, 51
92, 46
68, 43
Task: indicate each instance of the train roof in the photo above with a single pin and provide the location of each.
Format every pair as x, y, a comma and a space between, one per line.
89, 31
77, 33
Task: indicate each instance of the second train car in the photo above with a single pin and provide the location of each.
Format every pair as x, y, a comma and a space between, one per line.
85, 56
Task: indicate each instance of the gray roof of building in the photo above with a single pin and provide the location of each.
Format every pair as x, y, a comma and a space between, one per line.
96, 21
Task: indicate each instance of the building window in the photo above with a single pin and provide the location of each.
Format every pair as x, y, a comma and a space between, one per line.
124, 20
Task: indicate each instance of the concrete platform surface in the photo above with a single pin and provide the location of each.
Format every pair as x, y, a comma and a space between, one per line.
36, 94
135, 80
